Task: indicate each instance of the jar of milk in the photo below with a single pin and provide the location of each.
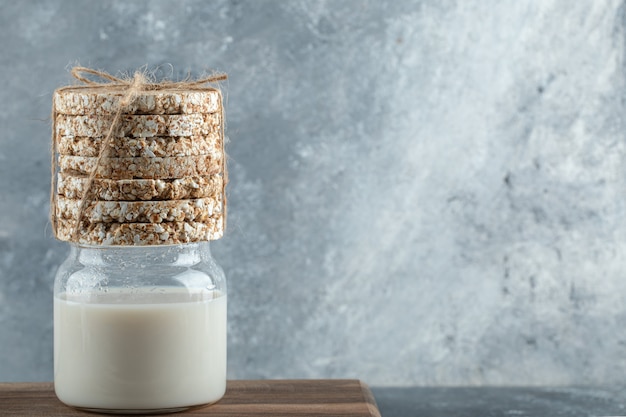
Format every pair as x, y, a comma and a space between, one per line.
139, 189
140, 329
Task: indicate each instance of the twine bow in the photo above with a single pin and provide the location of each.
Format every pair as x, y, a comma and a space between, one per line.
133, 87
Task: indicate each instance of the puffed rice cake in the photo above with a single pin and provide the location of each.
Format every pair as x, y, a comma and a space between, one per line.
140, 234
143, 167
96, 100
197, 210
141, 147
162, 179
145, 125
73, 187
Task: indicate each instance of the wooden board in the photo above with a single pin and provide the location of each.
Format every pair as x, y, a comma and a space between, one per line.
243, 398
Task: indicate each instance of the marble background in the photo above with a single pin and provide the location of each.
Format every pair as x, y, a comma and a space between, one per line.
422, 192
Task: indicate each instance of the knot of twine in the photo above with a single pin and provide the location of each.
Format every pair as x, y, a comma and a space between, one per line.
133, 87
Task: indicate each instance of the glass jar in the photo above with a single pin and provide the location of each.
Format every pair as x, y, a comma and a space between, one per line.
140, 329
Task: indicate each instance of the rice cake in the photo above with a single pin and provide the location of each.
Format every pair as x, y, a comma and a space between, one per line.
197, 210
141, 147
103, 100
145, 125
73, 186
140, 234
143, 167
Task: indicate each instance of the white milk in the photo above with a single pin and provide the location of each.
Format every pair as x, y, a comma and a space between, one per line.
161, 352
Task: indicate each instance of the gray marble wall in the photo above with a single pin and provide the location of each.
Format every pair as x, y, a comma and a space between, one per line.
422, 192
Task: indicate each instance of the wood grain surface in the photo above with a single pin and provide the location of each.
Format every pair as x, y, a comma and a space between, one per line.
243, 398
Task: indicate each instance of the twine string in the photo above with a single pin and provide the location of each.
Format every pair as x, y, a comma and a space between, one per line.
78, 73
133, 87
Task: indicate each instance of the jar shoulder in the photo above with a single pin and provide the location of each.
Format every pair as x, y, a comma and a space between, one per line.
94, 270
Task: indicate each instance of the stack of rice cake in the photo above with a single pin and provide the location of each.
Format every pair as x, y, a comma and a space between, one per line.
161, 180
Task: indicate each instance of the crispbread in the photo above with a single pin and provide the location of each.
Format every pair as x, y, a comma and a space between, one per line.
140, 234
85, 100
72, 186
144, 167
146, 125
197, 210
160, 179
141, 147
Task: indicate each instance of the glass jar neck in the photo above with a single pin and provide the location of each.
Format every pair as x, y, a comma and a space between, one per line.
181, 255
